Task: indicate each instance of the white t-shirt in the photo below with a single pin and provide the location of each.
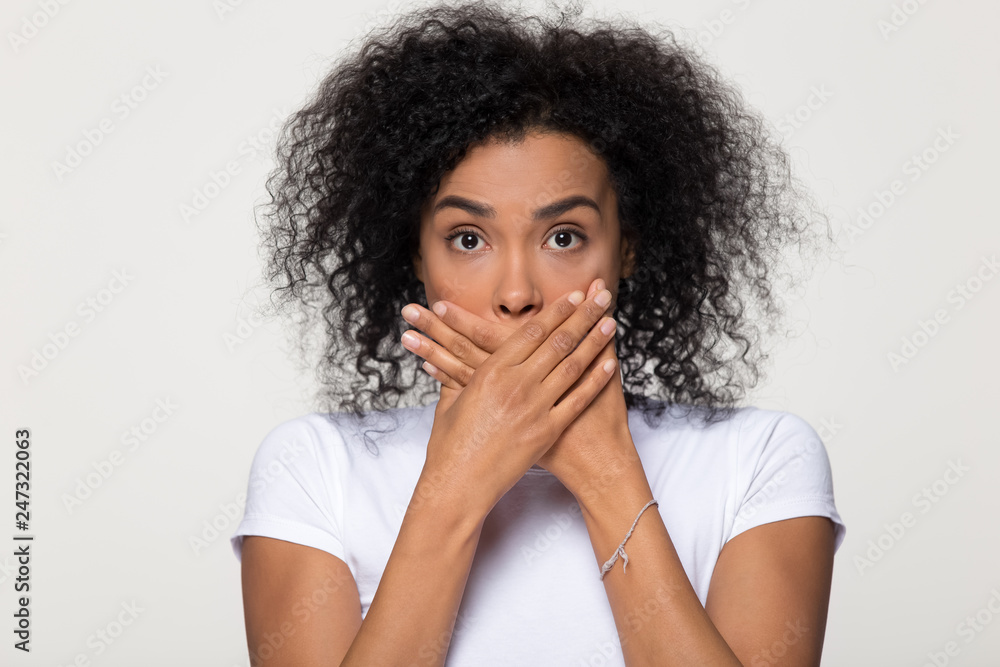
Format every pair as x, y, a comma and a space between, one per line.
534, 589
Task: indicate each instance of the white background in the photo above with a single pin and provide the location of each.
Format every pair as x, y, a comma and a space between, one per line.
189, 284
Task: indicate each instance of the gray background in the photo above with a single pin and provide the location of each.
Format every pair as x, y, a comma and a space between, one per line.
182, 328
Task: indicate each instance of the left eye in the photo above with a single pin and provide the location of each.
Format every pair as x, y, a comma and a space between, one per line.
563, 238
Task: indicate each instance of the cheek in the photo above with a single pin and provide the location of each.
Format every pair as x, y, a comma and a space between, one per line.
452, 285
554, 289
582, 277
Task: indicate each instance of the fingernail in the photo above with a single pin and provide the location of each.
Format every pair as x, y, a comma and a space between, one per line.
576, 298
439, 309
603, 298
410, 341
608, 327
411, 314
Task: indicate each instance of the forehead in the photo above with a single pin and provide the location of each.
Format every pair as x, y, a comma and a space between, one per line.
529, 173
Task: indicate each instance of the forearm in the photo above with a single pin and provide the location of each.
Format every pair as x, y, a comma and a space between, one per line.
659, 617
412, 616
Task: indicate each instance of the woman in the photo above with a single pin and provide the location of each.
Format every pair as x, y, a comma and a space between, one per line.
519, 190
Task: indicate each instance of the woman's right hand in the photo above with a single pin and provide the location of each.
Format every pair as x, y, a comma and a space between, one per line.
487, 435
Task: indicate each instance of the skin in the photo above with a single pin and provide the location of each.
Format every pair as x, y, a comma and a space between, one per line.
516, 268
769, 593
413, 611
770, 589
515, 265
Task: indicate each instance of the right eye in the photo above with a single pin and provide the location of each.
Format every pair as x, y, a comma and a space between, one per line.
467, 240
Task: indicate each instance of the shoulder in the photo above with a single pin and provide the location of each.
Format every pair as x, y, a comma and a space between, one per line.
765, 464
295, 439
326, 430
771, 439
328, 450
692, 427
748, 431
784, 472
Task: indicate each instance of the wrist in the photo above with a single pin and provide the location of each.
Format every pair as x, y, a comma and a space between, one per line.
618, 468
439, 493
609, 512
615, 494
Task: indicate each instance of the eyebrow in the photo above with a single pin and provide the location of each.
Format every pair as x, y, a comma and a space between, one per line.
553, 210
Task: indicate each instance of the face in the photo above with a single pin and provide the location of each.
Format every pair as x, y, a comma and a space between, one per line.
514, 227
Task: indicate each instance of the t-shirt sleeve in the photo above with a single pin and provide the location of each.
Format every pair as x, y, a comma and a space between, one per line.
294, 493
786, 473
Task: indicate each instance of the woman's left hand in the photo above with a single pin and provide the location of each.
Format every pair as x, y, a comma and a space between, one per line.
596, 442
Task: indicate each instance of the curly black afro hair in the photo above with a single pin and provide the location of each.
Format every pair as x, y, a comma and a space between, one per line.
705, 194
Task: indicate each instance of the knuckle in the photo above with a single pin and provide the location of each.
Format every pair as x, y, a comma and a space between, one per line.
562, 342
597, 338
572, 368
465, 376
483, 336
574, 403
461, 346
533, 330
593, 310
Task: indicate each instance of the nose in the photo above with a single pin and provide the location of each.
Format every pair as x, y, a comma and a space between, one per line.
517, 297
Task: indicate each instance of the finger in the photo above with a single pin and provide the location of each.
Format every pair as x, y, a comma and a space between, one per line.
441, 376
577, 400
595, 285
529, 338
459, 345
485, 335
576, 366
563, 341
438, 356
607, 352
